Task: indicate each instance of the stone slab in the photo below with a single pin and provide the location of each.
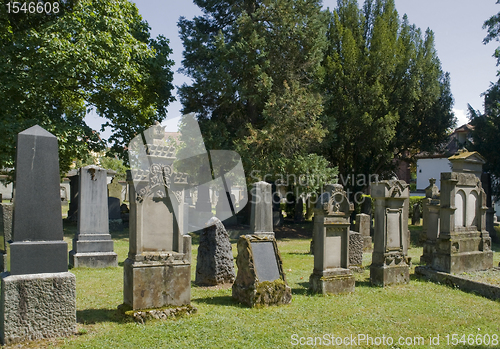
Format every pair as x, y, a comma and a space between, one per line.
355, 249
36, 257
261, 216
6, 214
462, 262
93, 260
37, 306
38, 215
113, 208
87, 246
264, 258
389, 275
332, 281
156, 285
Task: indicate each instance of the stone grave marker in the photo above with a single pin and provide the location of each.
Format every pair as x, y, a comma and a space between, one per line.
260, 279
261, 217
430, 223
92, 245
355, 251
331, 274
6, 212
215, 264
390, 261
38, 296
363, 226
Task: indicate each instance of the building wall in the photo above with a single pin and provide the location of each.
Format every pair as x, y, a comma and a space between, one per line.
431, 168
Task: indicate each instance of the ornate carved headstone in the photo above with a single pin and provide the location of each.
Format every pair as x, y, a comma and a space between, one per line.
260, 279
92, 245
390, 261
157, 272
331, 272
39, 294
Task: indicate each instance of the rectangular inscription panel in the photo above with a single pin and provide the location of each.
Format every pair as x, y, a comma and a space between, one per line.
264, 258
333, 248
394, 229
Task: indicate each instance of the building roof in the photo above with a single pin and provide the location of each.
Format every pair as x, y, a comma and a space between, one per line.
451, 146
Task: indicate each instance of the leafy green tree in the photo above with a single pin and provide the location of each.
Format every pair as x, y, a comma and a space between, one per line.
255, 67
486, 133
91, 54
385, 93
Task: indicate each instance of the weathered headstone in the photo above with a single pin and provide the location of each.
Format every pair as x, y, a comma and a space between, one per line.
74, 185
157, 272
6, 212
355, 251
261, 220
277, 214
38, 296
363, 226
215, 264
260, 279
430, 225
203, 206
331, 274
415, 219
390, 261
115, 190
92, 245
463, 243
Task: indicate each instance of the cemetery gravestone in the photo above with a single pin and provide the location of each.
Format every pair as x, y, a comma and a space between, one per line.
331, 274
74, 184
6, 212
355, 251
260, 279
363, 226
214, 264
431, 212
157, 272
261, 218
390, 261
38, 296
92, 245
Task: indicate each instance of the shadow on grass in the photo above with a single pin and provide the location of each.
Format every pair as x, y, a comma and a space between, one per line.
219, 300
304, 290
94, 316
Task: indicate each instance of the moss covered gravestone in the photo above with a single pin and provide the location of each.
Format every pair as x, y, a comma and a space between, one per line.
260, 280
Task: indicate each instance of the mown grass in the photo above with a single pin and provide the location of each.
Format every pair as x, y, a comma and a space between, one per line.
419, 309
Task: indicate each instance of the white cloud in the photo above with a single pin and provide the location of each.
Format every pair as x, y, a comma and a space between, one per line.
461, 116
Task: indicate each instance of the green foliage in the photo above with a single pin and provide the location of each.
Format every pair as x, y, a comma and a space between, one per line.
416, 200
255, 67
90, 55
385, 93
486, 131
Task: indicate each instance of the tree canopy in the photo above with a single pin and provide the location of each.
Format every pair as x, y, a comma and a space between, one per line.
279, 79
91, 54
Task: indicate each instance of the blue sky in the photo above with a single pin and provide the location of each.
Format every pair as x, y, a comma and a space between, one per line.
457, 25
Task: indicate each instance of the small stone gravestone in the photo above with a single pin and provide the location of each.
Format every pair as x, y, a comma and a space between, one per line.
92, 245
363, 226
355, 251
6, 211
331, 273
38, 296
261, 218
260, 279
215, 264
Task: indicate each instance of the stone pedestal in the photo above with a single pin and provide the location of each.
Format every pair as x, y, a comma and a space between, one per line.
331, 272
390, 262
37, 306
463, 243
92, 245
261, 218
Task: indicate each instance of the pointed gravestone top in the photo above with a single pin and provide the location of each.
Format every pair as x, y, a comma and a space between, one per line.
37, 212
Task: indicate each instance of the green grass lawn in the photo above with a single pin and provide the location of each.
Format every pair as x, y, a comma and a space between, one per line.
419, 309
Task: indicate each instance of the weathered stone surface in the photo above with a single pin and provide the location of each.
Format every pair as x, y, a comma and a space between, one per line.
215, 264
331, 272
6, 212
355, 249
143, 316
248, 287
415, 219
261, 218
92, 245
38, 245
363, 226
37, 306
390, 261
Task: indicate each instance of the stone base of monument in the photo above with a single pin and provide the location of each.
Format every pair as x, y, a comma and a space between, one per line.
332, 281
461, 253
392, 274
94, 251
142, 316
36, 306
93, 259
